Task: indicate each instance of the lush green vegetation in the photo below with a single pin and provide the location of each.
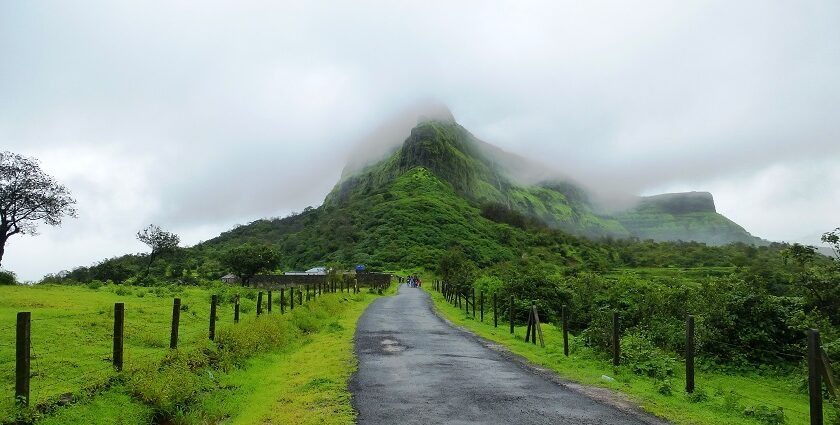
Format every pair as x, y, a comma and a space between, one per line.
723, 395
438, 205
200, 382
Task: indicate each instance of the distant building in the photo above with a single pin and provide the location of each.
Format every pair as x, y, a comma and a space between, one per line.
315, 271
230, 278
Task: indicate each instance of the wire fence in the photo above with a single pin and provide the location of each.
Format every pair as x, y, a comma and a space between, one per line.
76, 351
463, 298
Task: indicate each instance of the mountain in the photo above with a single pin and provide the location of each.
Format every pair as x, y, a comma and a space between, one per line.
687, 216
443, 187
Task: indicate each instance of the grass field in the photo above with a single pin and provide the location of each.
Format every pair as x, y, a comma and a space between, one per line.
71, 344
721, 398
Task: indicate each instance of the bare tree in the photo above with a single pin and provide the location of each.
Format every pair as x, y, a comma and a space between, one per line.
28, 197
159, 241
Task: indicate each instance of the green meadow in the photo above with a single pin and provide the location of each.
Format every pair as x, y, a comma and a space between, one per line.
286, 368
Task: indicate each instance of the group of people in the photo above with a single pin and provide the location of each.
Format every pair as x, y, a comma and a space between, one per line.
414, 282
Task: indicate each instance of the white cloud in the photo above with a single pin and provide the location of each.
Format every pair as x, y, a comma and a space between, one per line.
198, 116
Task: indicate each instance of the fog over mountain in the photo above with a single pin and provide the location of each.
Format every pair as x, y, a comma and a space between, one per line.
201, 116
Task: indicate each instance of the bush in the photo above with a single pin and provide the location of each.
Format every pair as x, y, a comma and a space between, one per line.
766, 415
638, 352
94, 285
664, 387
7, 278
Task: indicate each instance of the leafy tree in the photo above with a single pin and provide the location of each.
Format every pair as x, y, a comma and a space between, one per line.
28, 197
158, 240
247, 260
802, 255
7, 278
456, 268
832, 238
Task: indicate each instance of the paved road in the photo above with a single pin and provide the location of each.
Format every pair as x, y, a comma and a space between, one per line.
414, 368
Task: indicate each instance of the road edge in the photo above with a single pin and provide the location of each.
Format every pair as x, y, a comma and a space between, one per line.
604, 396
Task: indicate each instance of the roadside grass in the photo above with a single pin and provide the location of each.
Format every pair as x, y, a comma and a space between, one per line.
746, 398
159, 384
307, 385
72, 331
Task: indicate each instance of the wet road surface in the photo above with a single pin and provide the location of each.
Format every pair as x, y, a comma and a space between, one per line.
414, 368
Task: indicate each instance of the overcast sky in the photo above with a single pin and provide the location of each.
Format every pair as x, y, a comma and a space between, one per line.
202, 115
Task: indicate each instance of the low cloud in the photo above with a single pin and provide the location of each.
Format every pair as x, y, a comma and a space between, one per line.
202, 118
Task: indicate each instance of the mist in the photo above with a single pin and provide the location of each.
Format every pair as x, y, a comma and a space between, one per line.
198, 119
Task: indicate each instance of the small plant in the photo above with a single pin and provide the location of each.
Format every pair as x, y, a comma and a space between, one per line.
121, 291
140, 294
664, 387
766, 415
698, 396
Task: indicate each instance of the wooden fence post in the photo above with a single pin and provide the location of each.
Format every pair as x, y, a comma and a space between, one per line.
473, 302
482, 306
510, 313
22, 343
119, 332
300, 297
259, 303
176, 318
565, 318
689, 355
814, 384
213, 301
615, 339
495, 313
530, 328
828, 374
269, 301
236, 310
537, 325
282, 300
292, 298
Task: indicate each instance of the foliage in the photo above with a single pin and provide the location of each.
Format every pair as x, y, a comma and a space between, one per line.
28, 196
247, 260
7, 278
455, 267
832, 238
158, 240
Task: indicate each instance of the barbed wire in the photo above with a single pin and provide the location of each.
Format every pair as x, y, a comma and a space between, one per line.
742, 348
767, 403
66, 316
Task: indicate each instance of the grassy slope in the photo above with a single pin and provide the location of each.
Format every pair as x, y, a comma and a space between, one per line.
310, 370
729, 396
72, 329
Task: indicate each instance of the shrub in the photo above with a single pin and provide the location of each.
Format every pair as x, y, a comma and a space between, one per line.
7, 278
766, 415
664, 387
698, 396
644, 358
94, 285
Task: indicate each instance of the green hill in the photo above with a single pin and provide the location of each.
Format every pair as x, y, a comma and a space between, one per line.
444, 187
683, 216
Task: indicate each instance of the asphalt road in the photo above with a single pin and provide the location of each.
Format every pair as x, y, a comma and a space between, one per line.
414, 368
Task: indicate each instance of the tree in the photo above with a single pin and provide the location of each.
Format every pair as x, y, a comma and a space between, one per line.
28, 197
832, 238
245, 261
454, 267
159, 240
802, 255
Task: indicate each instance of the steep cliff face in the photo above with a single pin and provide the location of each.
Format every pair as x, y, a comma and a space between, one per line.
441, 186
480, 173
687, 216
